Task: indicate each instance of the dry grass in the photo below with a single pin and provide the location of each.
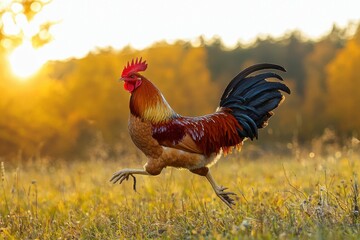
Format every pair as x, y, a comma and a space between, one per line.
278, 197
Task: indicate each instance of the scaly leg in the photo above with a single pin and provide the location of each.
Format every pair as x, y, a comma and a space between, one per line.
124, 174
220, 191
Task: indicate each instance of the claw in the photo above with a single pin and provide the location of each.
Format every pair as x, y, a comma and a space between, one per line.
124, 174
134, 185
220, 192
225, 196
121, 176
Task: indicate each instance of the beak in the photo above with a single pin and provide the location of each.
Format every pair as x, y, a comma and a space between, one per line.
121, 79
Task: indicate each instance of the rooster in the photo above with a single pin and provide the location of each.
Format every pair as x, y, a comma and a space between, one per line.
196, 143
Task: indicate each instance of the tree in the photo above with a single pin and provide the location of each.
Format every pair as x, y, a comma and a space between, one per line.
316, 89
16, 129
343, 79
15, 20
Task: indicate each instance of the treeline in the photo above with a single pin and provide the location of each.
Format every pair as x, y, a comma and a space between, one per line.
77, 108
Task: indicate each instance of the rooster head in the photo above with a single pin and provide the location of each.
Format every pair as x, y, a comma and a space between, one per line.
130, 75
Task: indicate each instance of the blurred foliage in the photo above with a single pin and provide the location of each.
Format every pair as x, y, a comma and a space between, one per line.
70, 107
343, 81
16, 25
15, 28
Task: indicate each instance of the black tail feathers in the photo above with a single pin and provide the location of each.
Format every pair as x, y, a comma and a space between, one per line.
252, 98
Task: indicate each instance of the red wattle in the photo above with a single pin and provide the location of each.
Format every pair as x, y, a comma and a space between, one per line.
129, 87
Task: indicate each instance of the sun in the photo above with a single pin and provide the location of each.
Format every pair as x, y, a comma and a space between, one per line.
25, 61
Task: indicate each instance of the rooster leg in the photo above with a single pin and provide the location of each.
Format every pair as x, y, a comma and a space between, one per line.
220, 191
124, 174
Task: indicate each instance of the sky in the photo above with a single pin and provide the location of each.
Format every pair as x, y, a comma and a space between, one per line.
84, 25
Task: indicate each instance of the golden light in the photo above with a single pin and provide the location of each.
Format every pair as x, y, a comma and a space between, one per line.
25, 61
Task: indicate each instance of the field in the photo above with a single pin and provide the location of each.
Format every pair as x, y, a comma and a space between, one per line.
282, 197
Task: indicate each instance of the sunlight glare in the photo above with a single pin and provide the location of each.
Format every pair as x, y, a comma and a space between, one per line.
24, 61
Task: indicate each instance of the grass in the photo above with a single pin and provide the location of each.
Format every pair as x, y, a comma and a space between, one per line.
278, 197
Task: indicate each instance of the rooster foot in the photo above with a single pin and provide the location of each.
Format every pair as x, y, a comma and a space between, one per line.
225, 196
124, 174
120, 176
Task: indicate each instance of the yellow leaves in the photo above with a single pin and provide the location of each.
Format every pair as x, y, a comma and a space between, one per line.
343, 86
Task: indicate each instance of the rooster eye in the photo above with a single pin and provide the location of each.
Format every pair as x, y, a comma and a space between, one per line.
134, 76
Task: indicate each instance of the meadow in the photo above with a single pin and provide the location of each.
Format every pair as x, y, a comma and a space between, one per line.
70, 106
278, 197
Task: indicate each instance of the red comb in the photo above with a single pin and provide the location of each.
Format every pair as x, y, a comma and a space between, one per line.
135, 66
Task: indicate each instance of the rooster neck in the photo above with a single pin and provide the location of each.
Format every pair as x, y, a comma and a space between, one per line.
148, 103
